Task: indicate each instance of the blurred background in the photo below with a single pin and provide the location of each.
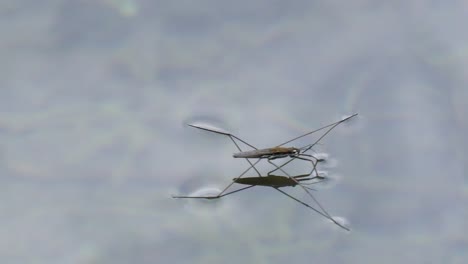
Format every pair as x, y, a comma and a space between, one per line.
95, 95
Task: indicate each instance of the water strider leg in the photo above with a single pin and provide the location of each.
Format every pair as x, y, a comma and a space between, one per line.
304, 188
314, 165
231, 136
310, 207
333, 125
251, 165
221, 194
308, 147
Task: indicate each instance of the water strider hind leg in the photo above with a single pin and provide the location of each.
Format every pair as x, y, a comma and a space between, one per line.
314, 209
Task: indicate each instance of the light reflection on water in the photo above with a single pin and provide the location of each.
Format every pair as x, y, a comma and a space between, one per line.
342, 221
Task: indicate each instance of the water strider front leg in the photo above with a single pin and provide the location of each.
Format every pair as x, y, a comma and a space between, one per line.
277, 168
298, 156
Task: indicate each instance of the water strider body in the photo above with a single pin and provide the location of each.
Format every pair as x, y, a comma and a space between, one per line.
268, 153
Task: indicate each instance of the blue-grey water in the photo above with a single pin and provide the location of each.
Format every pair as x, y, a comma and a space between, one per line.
95, 95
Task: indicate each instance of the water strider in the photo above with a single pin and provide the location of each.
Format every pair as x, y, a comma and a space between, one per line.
278, 151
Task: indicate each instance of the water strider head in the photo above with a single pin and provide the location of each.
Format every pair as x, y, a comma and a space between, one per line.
295, 151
